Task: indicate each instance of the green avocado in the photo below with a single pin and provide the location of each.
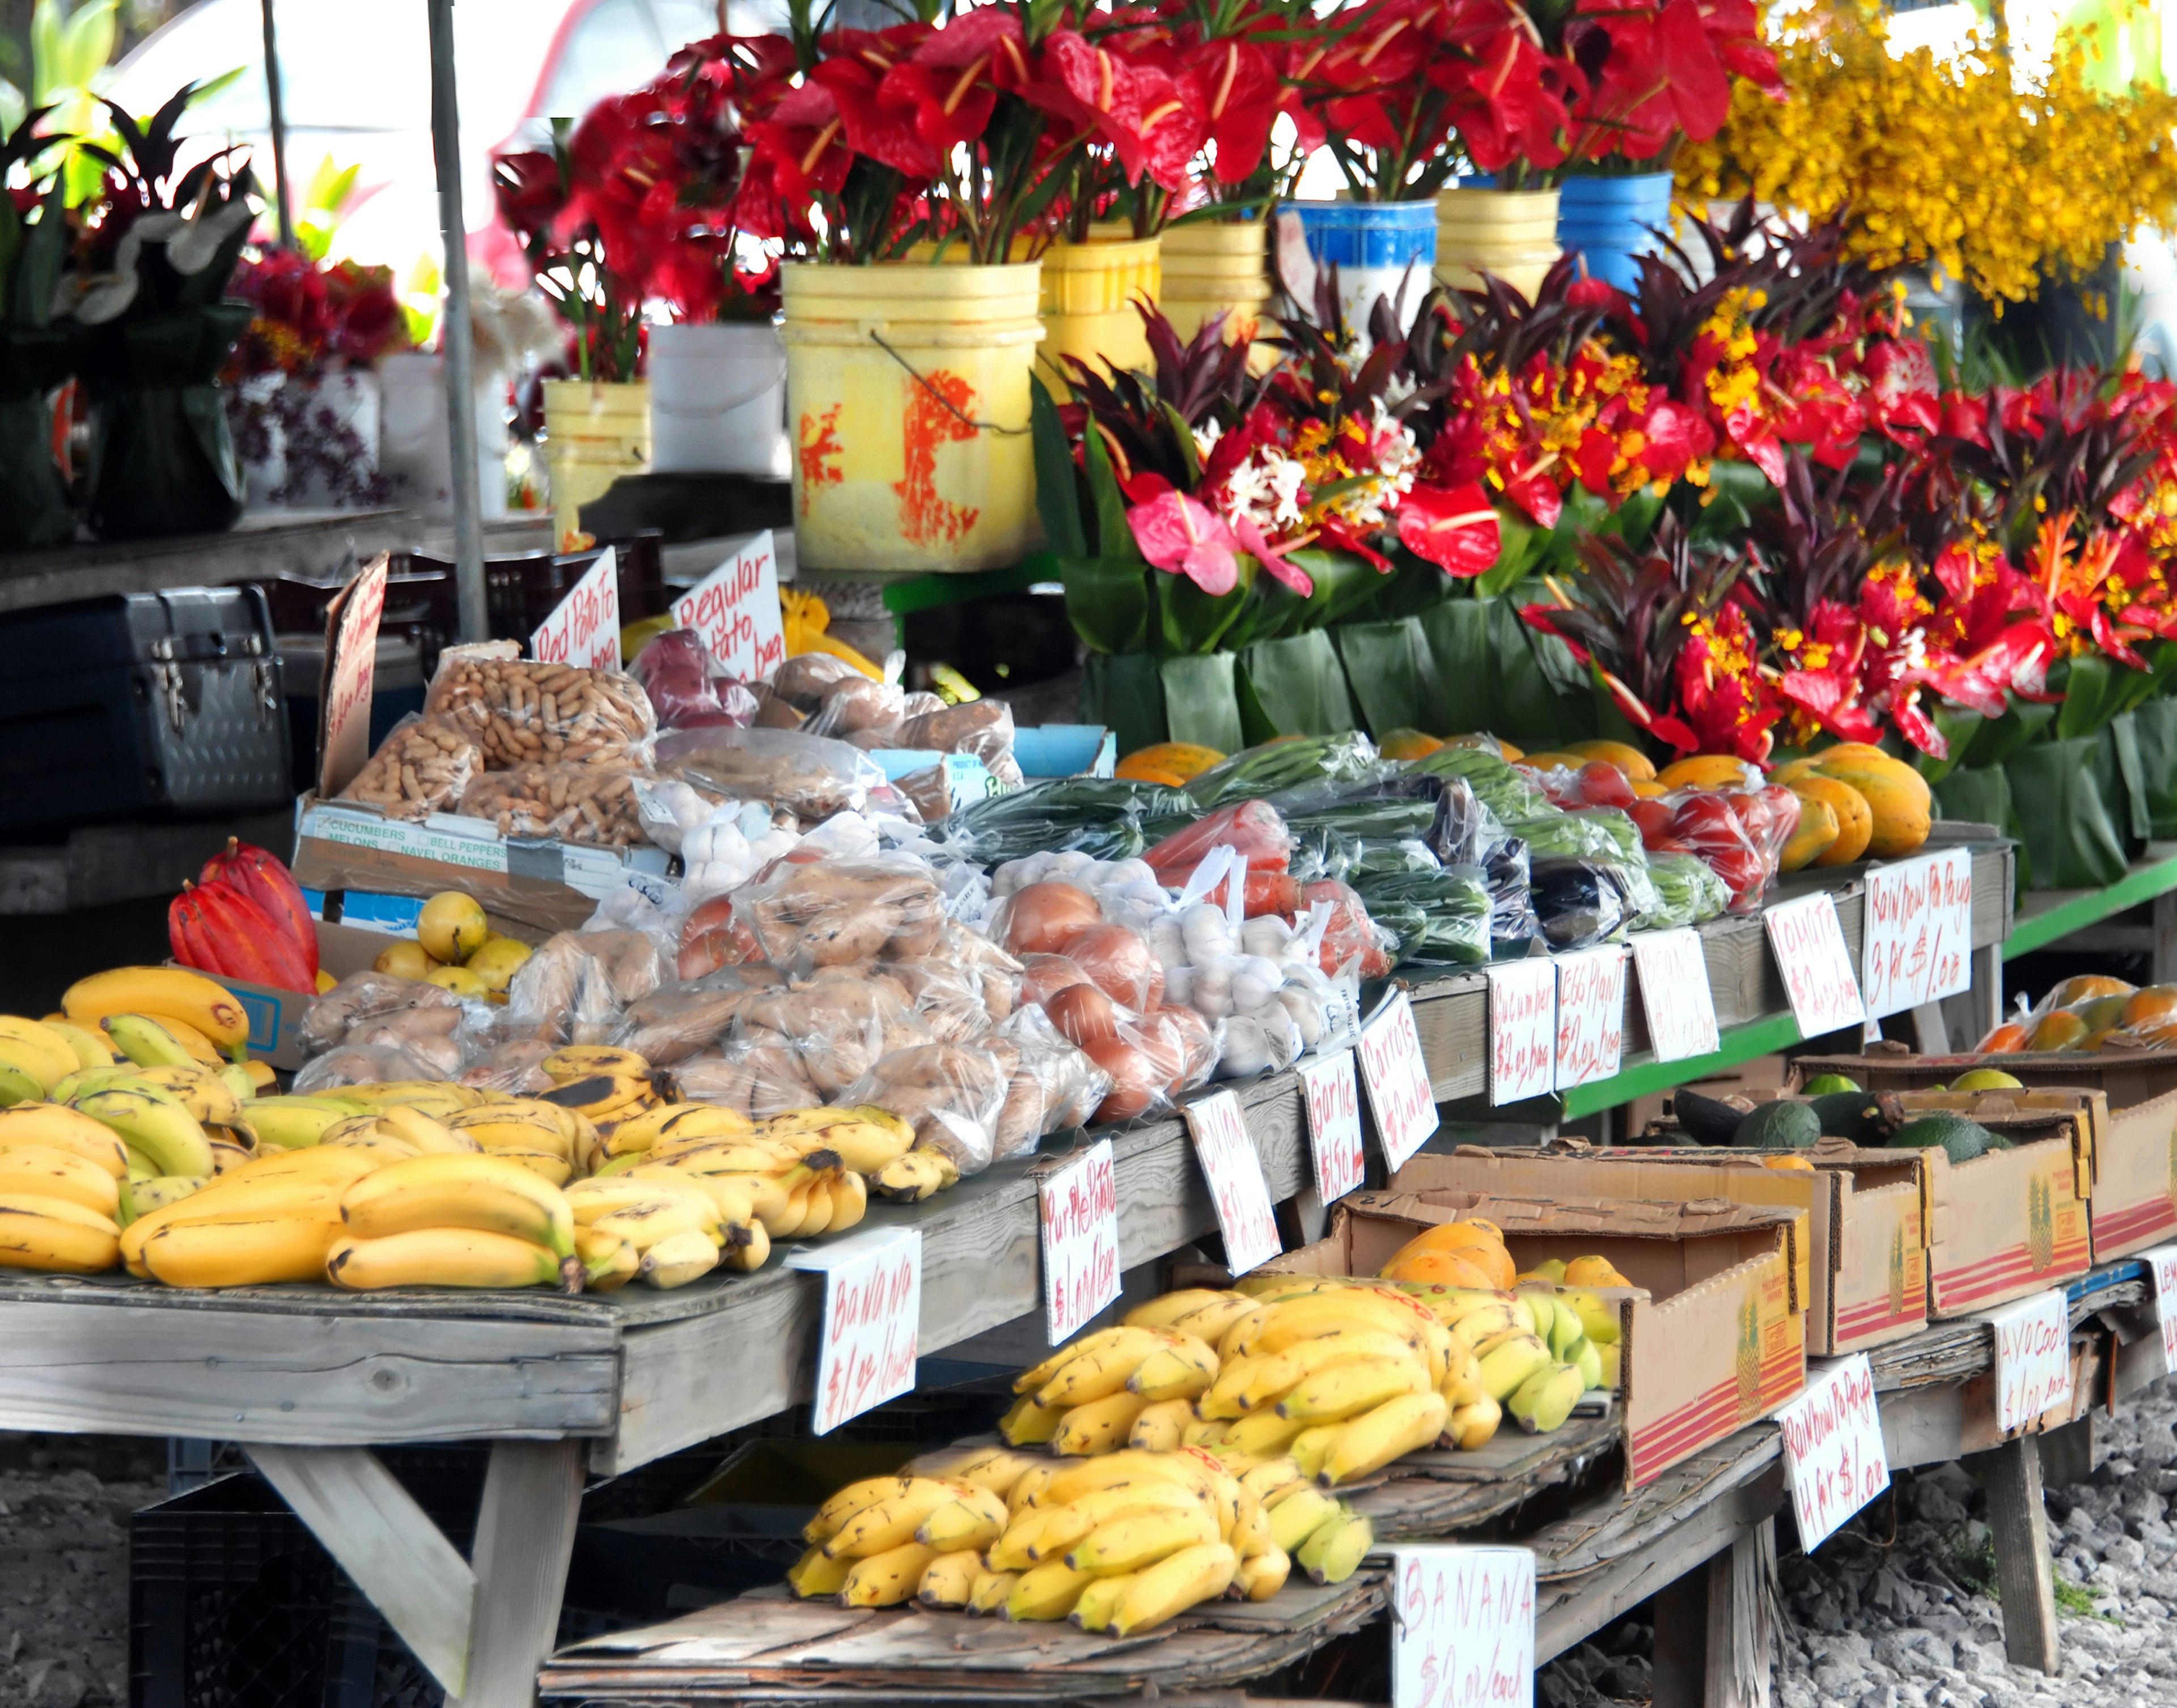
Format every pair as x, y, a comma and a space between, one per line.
1848, 1114
1825, 1084
1779, 1126
1960, 1139
1706, 1119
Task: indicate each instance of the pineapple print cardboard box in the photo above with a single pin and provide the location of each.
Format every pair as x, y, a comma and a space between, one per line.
1712, 1334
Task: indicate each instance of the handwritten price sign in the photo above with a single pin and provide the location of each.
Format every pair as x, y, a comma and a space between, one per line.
584, 627
2162, 1263
1809, 944
1591, 1015
1080, 1241
1523, 1029
1675, 994
1463, 1636
1919, 932
1228, 1156
872, 1319
350, 680
735, 609
1833, 1452
2032, 1358
1333, 1097
1400, 1095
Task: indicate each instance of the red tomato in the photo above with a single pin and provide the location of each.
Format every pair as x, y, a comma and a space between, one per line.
1707, 817
1653, 818
1742, 871
1605, 785
1671, 844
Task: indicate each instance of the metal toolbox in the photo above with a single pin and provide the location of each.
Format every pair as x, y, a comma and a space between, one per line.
140, 704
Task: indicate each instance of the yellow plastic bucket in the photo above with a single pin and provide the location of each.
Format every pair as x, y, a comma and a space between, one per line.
1088, 304
1512, 234
1212, 269
597, 431
907, 389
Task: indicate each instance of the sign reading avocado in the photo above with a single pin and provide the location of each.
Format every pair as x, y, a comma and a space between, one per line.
2032, 1358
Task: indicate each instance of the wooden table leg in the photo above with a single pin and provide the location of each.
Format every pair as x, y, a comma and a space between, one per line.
2025, 1573
532, 1496
1714, 1643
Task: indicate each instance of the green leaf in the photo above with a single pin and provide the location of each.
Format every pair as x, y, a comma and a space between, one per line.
44, 254
1958, 727
1200, 703
1299, 686
1998, 740
1113, 538
1057, 499
1343, 583
2089, 697
1183, 435
88, 42
1195, 621
1519, 543
1107, 602
47, 59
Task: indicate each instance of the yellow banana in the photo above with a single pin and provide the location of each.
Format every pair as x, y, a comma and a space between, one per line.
1290, 1323
603, 1098
239, 1253
203, 1003
1545, 1399
1598, 1317
1311, 1447
1027, 1424
91, 1049
1028, 1381
57, 1054
1181, 1368
887, 1579
1250, 1531
155, 1193
974, 1519
848, 1501
850, 1201
747, 1248
1100, 1600
1175, 1584
677, 1260
1273, 1479
997, 1469
144, 1041
1099, 1371
1343, 1389
1509, 1361
1335, 1552
1373, 1440
575, 1061
1071, 1482
915, 1175
1474, 1425
1161, 1426
547, 1165
1129, 1544
43, 1171
1265, 1434
1277, 1375
1062, 1526
1099, 1426
1264, 1575
1165, 1310
441, 1257
53, 1233
818, 1574
503, 1129
293, 1123
165, 1133
894, 1519
1464, 1385
62, 1128
485, 1192
660, 1218
1299, 1515
991, 1590
949, 1579
1047, 1592
608, 1262
431, 1136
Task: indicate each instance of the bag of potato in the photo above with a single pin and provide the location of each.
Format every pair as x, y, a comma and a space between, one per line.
833, 912
361, 1064
809, 776
1054, 1085
670, 1026
839, 1028
951, 1094
574, 987
981, 727
361, 999
516, 1068
757, 1080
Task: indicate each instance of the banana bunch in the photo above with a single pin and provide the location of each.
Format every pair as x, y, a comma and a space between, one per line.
455, 1219
274, 1219
607, 1086
1119, 1543
1127, 1385
797, 1183
666, 1227
199, 1013
1327, 1539
64, 1178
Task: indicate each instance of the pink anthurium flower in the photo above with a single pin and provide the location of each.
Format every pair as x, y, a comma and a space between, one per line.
1252, 540
1184, 536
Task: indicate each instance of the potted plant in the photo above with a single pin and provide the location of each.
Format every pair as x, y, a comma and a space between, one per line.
158, 248
34, 356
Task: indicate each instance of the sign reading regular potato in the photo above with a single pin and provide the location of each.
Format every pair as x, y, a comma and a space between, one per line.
872, 1321
1463, 1636
2032, 1358
735, 609
1675, 994
1332, 1098
1809, 944
1400, 1095
1919, 932
1833, 1453
1243, 1196
584, 627
1523, 1029
1080, 1241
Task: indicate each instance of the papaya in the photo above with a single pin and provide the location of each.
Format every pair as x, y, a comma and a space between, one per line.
1146, 773
1649, 791
1636, 765
1510, 752
1792, 770
1818, 831
1183, 760
1855, 821
1709, 770
1545, 761
1408, 743
1899, 808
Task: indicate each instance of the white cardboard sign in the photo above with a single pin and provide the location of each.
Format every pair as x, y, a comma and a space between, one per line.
349, 678
872, 1321
2032, 1358
1080, 1241
1523, 1029
1244, 1215
584, 627
1400, 1095
1809, 944
2162, 1264
1675, 994
1463, 1629
735, 609
1332, 1098
1591, 1015
1833, 1454
1918, 942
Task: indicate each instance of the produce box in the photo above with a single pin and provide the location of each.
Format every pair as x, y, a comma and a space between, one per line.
549, 885
2005, 1225
274, 1014
1859, 1251
1710, 1341
2125, 1076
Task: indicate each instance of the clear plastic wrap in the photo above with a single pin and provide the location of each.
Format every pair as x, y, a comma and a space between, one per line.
519, 712
1690, 891
359, 1064
982, 729
1054, 1085
809, 776
668, 1027
436, 1036
758, 1080
1043, 918
420, 768
1350, 938
593, 803
956, 1003
1506, 790
574, 984
801, 680
362, 999
854, 705
515, 1066
1580, 902
1286, 764
1118, 962
712, 937
833, 912
1102, 817
1440, 918
687, 688
839, 1028
952, 1095
1251, 828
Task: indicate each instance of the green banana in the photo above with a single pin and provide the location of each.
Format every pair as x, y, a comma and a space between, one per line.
1334, 1552
1545, 1399
1299, 1515
1587, 1359
146, 1042
1509, 1361
167, 1134
294, 1123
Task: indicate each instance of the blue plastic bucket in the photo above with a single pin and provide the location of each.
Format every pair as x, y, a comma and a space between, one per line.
1605, 221
1379, 248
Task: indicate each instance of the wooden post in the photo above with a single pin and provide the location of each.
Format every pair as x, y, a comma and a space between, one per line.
2024, 1573
533, 1495
1714, 1642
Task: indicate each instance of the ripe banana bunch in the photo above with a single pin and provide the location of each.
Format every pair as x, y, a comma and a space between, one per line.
1088, 1398
914, 1175
462, 1219
552, 1142
798, 1187
1326, 1538
676, 1225
187, 1004
605, 1085
395, 1132
295, 1123
440, 1099
159, 1134
63, 1181
274, 1219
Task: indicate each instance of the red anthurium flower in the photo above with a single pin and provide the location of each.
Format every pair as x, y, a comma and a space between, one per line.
1830, 696
881, 130
1257, 546
1455, 529
1184, 536
1234, 87
1900, 386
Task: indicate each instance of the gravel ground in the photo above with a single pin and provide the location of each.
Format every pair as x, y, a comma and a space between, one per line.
1908, 1620
64, 1582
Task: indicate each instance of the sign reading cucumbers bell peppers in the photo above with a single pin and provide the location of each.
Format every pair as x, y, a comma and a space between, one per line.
584, 627
1080, 1205
1242, 1196
872, 1321
1816, 966
1400, 1095
1918, 940
1675, 994
1463, 1634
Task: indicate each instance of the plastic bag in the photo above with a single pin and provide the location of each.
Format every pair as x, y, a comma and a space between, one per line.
1251, 828
1506, 790
839, 1028
436, 1036
1690, 889
361, 999
1281, 765
519, 712
1102, 817
854, 705
801, 680
711, 938
951, 1095
1734, 832
1441, 918
956, 1003
982, 729
670, 1026
357, 1064
420, 768
1053, 1085
1580, 903
592, 803
574, 983
1349, 938
687, 688
515, 1066
759, 1081
808, 775
833, 912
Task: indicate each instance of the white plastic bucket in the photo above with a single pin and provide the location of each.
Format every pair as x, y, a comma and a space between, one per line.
718, 399
414, 447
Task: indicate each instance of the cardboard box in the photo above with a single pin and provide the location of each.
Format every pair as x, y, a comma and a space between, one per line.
275, 1014
1859, 1252
2125, 1076
547, 886
1711, 1341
